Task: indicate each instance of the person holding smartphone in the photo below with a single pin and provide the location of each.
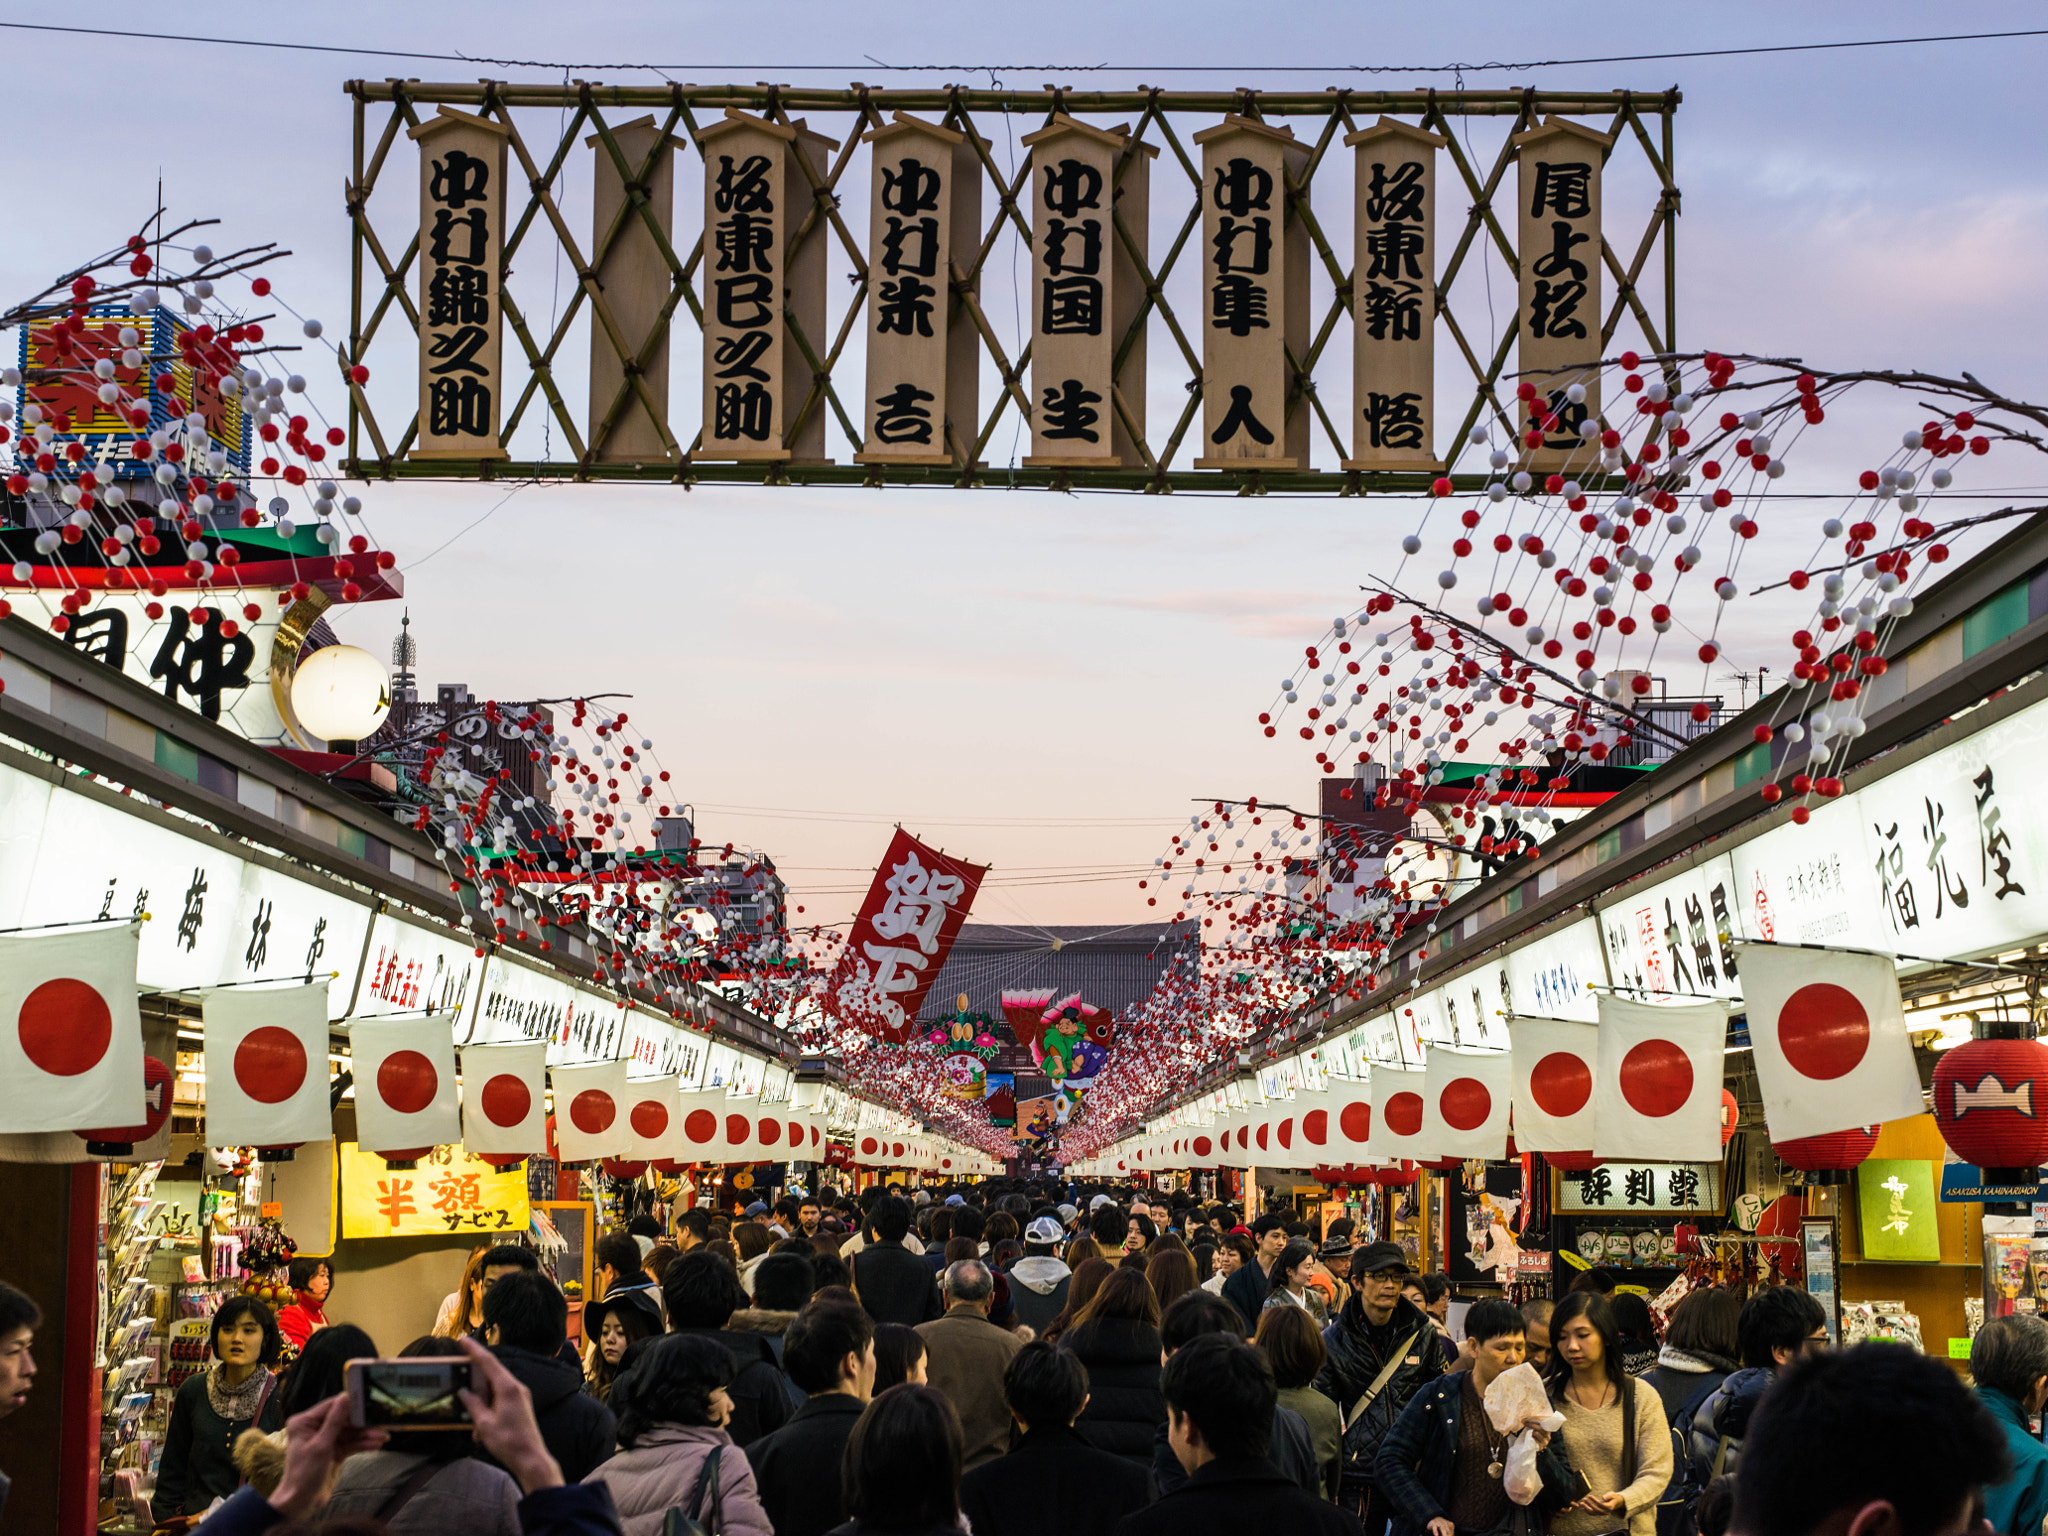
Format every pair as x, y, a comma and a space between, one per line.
1615, 1433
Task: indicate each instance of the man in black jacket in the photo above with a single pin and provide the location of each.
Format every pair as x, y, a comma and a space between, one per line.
1383, 1349
526, 1320
894, 1284
1052, 1480
1249, 1284
1220, 1398
702, 1293
1191, 1317
829, 1352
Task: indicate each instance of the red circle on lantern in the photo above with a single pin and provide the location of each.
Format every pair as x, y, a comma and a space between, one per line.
407, 1082
65, 1027
156, 1108
592, 1111
1464, 1104
1824, 1154
1656, 1078
737, 1129
1315, 1127
650, 1119
270, 1064
701, 1126
1823, 1031
1356, 1121
1561, 1084
1404, 1114
506, 1100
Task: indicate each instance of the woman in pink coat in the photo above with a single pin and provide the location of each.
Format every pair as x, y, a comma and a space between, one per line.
672, 1407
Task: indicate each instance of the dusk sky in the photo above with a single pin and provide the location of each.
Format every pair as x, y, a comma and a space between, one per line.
1038, 681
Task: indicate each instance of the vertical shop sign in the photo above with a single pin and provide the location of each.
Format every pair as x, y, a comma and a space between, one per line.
635, 280
462, 244
1559, 246
1084, 293
1255, 297
1393, 298
924, 211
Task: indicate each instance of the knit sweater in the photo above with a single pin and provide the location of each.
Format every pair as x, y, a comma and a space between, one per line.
1592, 1439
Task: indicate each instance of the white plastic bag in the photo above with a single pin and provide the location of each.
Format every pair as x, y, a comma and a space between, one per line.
1511, 1398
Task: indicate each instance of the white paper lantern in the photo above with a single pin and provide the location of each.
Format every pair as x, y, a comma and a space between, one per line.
341, 693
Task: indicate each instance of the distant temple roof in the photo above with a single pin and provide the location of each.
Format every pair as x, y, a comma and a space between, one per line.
1111, 967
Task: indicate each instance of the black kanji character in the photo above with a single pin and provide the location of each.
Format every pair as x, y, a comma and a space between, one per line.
1682, 1186
1393, 311
744, 189
1396, 251
103, 635
1071, 306
1552, 308
460, 350
1242, 186
1642, 1186
1558, 261
1256, 259
194, 916
204, 665
458, 296
1596, 1187
259, 935
459, 408
1070, 186
472, 229
318, 947
460, 179
901, 417
735, 356
1240, 418
1565, 189
1394, 421
743, 243
1086, 255
1398, 196
1237, 305
744, 303
742, 412
921, 237
905, 308
1069, 411
913, 187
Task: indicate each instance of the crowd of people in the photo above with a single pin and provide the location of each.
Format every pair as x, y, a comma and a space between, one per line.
1003, 1361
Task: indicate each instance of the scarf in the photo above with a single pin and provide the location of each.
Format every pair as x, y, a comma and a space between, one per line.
1692, 1362
235, 1404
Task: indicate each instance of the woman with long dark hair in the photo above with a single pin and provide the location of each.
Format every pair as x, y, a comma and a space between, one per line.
899, 1357
1088, 1278
462, 1310
1116, 1336
213, 1407
1171, 1273
1615, 1434
901, 1471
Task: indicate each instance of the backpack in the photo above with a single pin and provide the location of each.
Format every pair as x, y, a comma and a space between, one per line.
1676, 1504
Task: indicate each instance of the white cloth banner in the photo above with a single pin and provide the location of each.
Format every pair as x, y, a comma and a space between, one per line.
590, 1116
504, 1099
405, 1084
1347, 1122
1465, 1103
654, 1120
266, 1058
703, 1120
1830, 1038
1399, 1115
71, 1041
1557, 1064
1659, 1094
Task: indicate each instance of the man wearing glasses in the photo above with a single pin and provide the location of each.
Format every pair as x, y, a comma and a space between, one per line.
1383, 1349
1778, 1325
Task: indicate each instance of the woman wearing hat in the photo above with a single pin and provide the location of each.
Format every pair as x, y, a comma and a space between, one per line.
615, 1324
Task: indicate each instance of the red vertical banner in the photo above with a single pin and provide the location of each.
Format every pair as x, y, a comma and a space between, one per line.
901, 937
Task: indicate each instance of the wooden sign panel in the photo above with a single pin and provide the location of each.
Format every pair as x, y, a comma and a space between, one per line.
636, 284
1393, 298
1085, 292
924, 217
462, 324
756, 197
1558, 243
1255, 298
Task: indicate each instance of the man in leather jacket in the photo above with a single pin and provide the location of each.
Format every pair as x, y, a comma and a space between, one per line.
1377, 1328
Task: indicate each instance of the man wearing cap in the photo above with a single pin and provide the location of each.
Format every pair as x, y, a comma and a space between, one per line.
1039, 1280
1382, 1350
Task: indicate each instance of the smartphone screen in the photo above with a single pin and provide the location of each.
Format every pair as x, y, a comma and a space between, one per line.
408, 1394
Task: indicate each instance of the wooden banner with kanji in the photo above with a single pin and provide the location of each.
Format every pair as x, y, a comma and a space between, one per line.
449, 1192
901, 937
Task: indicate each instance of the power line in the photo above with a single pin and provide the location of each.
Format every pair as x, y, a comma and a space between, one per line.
868, 62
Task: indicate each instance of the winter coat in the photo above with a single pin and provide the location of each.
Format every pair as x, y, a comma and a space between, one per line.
1325, 1433
1418, 1457
648, 1479
465, 1495
965, 1357
301, 1320
2017, 1506
1292, 1450
577, 1429
198, 1463
1054, 1481
895, 1286
1230, 1498
574, 1509
759, 1391
796, 1469
1725, 1416
1125, 1404
1680, 1377
1357, 1354
1038, 1290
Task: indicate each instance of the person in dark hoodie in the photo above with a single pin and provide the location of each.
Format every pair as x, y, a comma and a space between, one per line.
526, 1319
1039, 1280
1052, 1479
1383, 1349
703, 1292
1779, 1324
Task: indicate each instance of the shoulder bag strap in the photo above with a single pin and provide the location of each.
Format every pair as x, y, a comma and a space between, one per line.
422, 1475
1629, 1457
1379, 1382
704, 1508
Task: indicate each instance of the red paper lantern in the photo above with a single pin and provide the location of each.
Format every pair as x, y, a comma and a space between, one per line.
1731, 1116
120, 1140
1828, 1157
1394, 1177
1573, 1162
503, 1160
1988, 1102
619, 1168
1444, 1164
405, 1159
668, 1167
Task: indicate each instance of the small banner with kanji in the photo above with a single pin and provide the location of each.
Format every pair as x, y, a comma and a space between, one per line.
901, 938
449, 1192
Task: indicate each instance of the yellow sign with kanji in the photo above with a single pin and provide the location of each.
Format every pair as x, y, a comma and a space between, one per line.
450, 1192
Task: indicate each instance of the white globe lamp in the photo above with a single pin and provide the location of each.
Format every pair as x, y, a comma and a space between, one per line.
341, 693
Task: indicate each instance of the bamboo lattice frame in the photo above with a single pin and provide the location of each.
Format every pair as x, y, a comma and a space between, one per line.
381, 281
